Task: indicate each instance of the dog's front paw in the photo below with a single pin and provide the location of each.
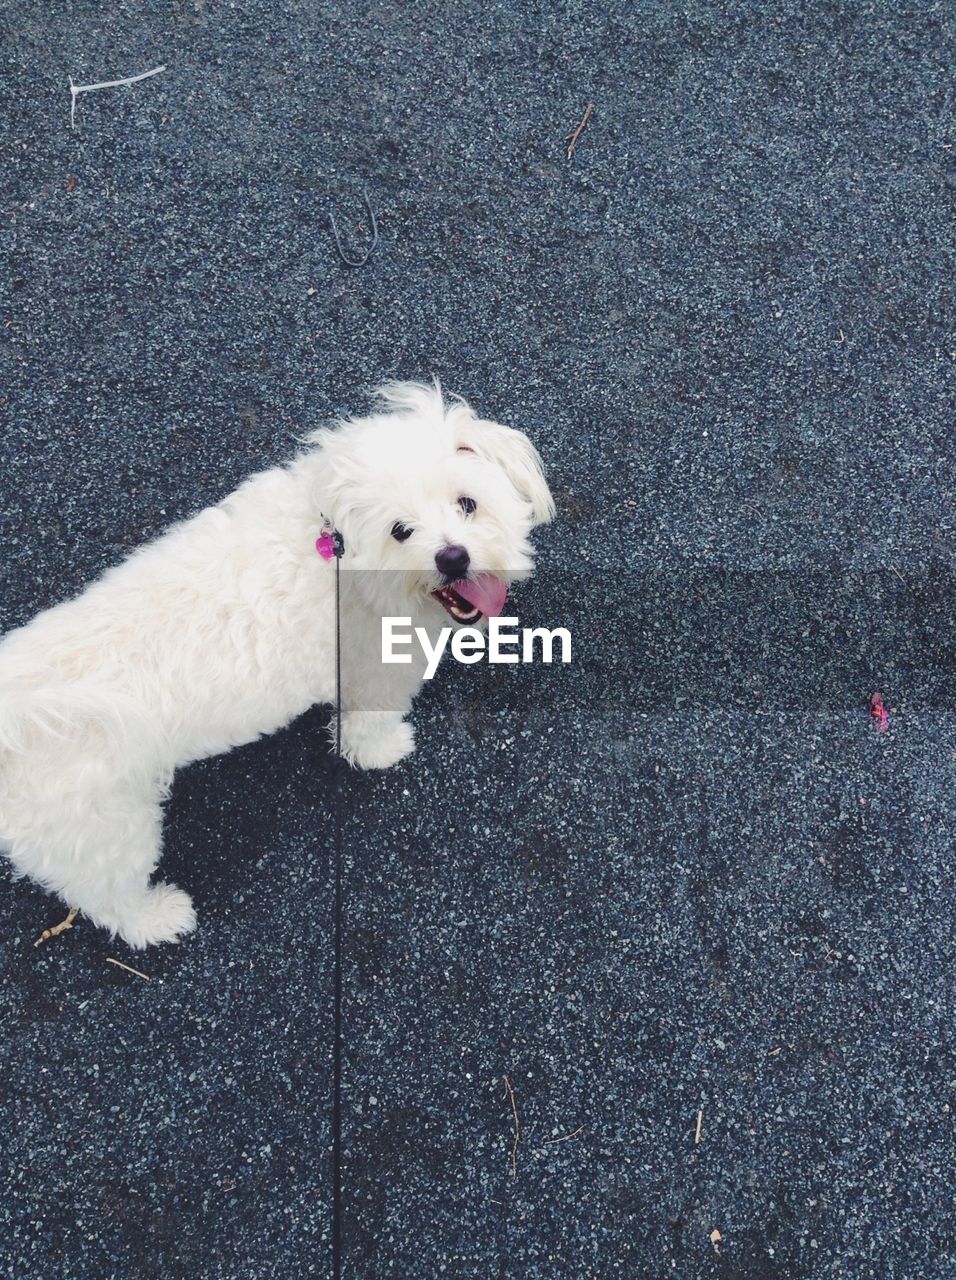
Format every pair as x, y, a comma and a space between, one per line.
370, 750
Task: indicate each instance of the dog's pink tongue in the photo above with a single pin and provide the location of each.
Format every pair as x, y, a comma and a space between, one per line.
485, 592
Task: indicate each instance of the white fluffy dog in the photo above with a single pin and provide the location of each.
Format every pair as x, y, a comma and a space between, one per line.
222, 630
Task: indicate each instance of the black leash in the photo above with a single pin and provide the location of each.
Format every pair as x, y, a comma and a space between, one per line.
338, 548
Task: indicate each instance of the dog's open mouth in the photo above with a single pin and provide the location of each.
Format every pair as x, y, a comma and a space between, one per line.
460, 609
469, 598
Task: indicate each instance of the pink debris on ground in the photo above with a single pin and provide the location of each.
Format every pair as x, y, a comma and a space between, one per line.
879, 713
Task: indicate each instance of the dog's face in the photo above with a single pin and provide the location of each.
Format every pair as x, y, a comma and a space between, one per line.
440, 499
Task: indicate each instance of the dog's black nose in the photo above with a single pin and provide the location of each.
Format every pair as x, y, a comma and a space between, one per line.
453, 562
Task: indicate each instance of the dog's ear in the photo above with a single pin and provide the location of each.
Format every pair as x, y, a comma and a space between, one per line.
514, 453
335, 470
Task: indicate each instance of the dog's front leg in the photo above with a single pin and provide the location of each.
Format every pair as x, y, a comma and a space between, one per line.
377, 696
375, 739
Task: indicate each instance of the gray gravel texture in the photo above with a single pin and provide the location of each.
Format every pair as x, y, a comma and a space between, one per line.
682, 877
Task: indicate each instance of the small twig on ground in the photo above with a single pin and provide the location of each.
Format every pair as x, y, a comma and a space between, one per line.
700, 1121
549, 1142
119, 964
510, 1093
59, 928
77, 89
373, 245
572, 138
899, 575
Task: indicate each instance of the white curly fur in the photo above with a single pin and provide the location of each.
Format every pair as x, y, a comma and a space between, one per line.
221, 631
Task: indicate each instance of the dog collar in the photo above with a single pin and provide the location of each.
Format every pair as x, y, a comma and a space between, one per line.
330, 544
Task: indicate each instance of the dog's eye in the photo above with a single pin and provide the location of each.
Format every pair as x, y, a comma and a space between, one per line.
468, 505
401, 532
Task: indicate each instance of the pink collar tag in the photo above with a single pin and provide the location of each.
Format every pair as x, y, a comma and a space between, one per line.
325, 545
